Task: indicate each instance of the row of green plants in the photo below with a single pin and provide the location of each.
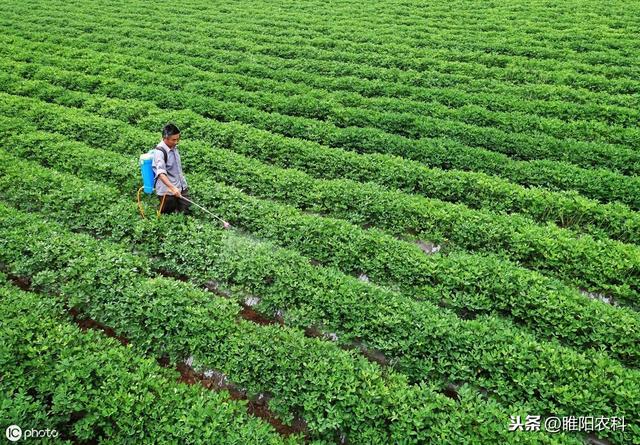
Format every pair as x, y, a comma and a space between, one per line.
460, 37
597, 265
498, 68
451, 350
400, 117
600, 184
507, 121
549, 107
519, 75
429, 120
485, 352
436, 49
374, 83
474, 129
468, 66
230, 103
566, 210
337, 393
469, 282
386, 38
89, 387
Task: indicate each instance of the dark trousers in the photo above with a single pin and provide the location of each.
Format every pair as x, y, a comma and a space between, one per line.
173, 204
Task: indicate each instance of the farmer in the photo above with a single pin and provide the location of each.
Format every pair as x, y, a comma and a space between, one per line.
171, 184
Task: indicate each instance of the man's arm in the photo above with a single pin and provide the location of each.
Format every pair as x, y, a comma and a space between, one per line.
160, 169
174, 191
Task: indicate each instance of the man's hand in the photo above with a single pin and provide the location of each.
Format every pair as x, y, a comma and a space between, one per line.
175, 192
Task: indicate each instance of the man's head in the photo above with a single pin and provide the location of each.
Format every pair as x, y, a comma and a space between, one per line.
171, 135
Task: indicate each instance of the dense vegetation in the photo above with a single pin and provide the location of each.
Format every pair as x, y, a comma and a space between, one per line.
435, 210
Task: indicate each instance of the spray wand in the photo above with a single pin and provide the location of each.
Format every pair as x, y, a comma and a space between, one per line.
225, 224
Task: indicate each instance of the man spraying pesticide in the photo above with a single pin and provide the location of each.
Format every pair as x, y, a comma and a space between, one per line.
162, 169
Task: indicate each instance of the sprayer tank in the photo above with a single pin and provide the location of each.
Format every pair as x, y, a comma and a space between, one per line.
147, 172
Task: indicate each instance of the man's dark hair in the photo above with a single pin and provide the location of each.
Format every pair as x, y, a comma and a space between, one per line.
169, 130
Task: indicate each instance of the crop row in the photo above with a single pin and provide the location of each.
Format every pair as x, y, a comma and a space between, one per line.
336, 392
458, 37
298, 117
485, 128
468, 281
89, 387
541, 72
470, 188
477, 117
473, 66
597, 265
368, 81
393, 19
313, 296
430, 49
350, 29
400, 117
452, 349
491, 61
253, 72
601, 184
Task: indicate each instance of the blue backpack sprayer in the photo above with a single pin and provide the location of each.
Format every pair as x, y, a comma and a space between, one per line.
149, 180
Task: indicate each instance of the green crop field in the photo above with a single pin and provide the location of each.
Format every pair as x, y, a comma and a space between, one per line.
434, 208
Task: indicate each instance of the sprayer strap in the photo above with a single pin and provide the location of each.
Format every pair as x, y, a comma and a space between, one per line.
166, 157
164, 152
